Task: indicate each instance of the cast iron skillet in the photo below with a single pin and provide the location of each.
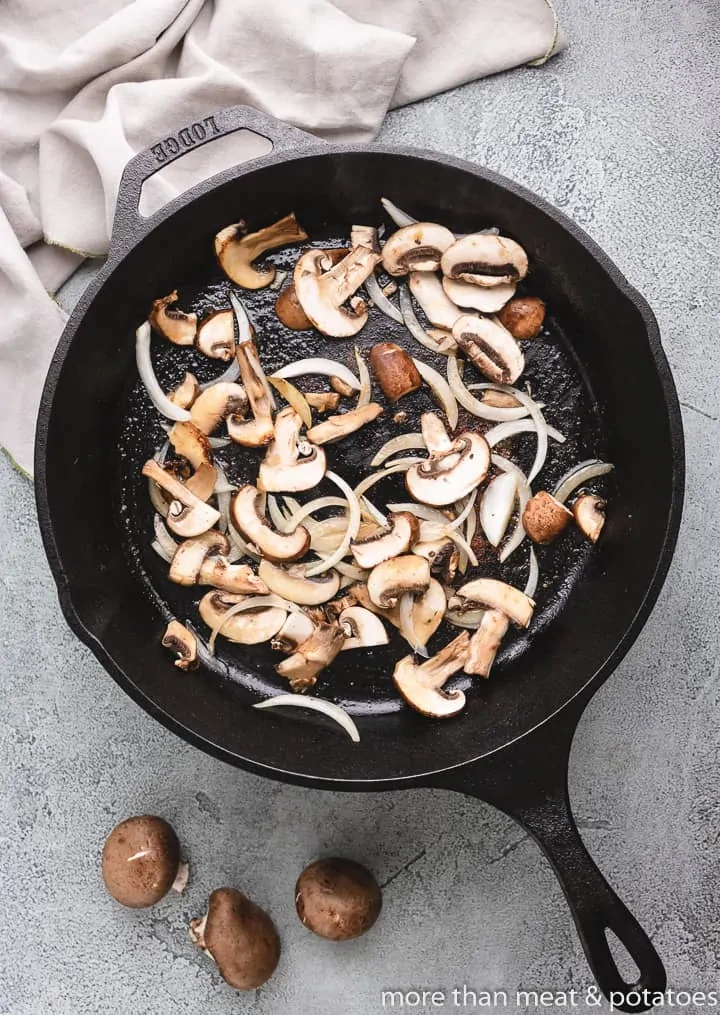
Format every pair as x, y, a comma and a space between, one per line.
603, 361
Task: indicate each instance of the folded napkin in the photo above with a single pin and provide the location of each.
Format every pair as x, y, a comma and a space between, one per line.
84, 86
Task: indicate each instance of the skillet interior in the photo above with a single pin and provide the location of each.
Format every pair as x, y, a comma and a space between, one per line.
597, 363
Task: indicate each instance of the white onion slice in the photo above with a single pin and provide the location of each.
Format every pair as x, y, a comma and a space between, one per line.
381, 301
147, 375
470, 618
424, 511
406, 624
251, 603
399, 217
294, 398
524, 493
470, 530
228, 377
375, 477
462, 543
415, 327
497, 505
542, 428
279, 520
502, 431
351, 532
161, 552
533, 575
465, 511
316, 505
163, 537
370, 511
320, 365
492, 413
216, 443
365, 382
328, 708
403, 442
157, 500
578, 475
441, 390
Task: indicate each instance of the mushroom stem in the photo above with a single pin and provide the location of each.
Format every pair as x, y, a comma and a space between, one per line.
181, 878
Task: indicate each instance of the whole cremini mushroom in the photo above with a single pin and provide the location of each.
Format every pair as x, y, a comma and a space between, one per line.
141, 861
523, 317
396, 373
239, 937
337, 899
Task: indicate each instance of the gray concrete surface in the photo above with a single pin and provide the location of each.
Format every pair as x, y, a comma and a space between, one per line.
621, 133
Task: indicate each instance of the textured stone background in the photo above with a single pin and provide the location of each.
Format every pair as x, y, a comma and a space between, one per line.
621, 133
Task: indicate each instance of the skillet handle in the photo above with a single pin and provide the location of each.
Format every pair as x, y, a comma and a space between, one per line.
528, 781
128, 221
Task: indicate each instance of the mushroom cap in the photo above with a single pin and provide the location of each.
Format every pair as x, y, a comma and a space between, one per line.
337, 899
140, 860
236, 249
241, 938
417, 247
396, 373
250, 433
452, 474
322, 292
488, 300
336, 427
523, 317
402, 532
292, 584
289, 311
216, 336
439, 309
216, 403
393, 578
191, 443
589, 513
251, 627
490, 347
495, 595
485, 259
172, 323
275, 546
323, 401
545, 518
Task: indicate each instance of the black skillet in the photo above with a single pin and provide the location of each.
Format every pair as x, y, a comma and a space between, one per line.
605, 377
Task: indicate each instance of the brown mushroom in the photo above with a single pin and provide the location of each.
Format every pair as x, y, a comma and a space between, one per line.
173, 323
141, 861
192, 444
337, 899
396, 373
289, 311
485, 259
236, 249
283, 468
251, 523
216, 336
341, 387
417, 247
589, 513
183, 643
382, 544
336, 427
322, 289
323, 401
186, 392
393, 578
258, 431
523, 316
311, 656
216, 403
490, 347
545, 518
421, 684
187, 515
239, 937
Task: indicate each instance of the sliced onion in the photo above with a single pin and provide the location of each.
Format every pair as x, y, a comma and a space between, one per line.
161, 551
351, 532
524, 493
328, 708
216, 443
406, 604
147, 375
228, 377
403, 442
315, 505
251, 603
370, 511
465, 511
473, 405
375, 477
293, 397
533, 575
163, 537
399, 217
239, 545
470, 618
351, 571
497, 505
381, 301
320, 365
502, 431
277, 517
424, 511
578, 475
542, 428
462, 543
365, 382
157, 500
470, 530
441, 390
415, 327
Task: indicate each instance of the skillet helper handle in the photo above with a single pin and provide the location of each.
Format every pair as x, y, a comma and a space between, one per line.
528, 782
128, 221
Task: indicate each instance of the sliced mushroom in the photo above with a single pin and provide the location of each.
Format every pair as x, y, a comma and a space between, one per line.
313, 655
183, 643
341, 387
288, 309
186, 392
453, 468
438, 307
191, 554
523, 317
322, 292
322, 401
297, 628
476, 297
191, 443
492, 594
485, 643
336, 427
236, 578
393, 578
173, 323
217, 403
364, 236
362, 628
484, 259
426, 614
283, 470
216, 336
396, 373
490, 347
442, 555
239, 937
545, 518
236, 250
292, 583
251, 627
402, 532
589, 513
500, 399
187, 515
258, 431
254, 526
421, 684
417, 247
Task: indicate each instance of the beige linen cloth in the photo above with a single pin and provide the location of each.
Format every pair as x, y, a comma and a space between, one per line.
83, 86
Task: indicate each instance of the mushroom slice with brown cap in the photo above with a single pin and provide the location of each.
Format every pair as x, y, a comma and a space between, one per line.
589, 513
254, 526
485, 643
283, 470
186, 392
417, 247
251, 627
421, 684
393, 578
323, 401
337, 427
297, 628
312, 656
453, 469
217, 403
545, 518
289, 311
292, 583
236, 250
175, 325
523, 317
476, 297
216, 336
191, 554
191, 443
402, 532
239, 937
237, 578
183, 643
438, 307
490, 347
187, 515
322, 290
362, 628
484, 259
396, 373
492, 594
258, 431
426, 613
